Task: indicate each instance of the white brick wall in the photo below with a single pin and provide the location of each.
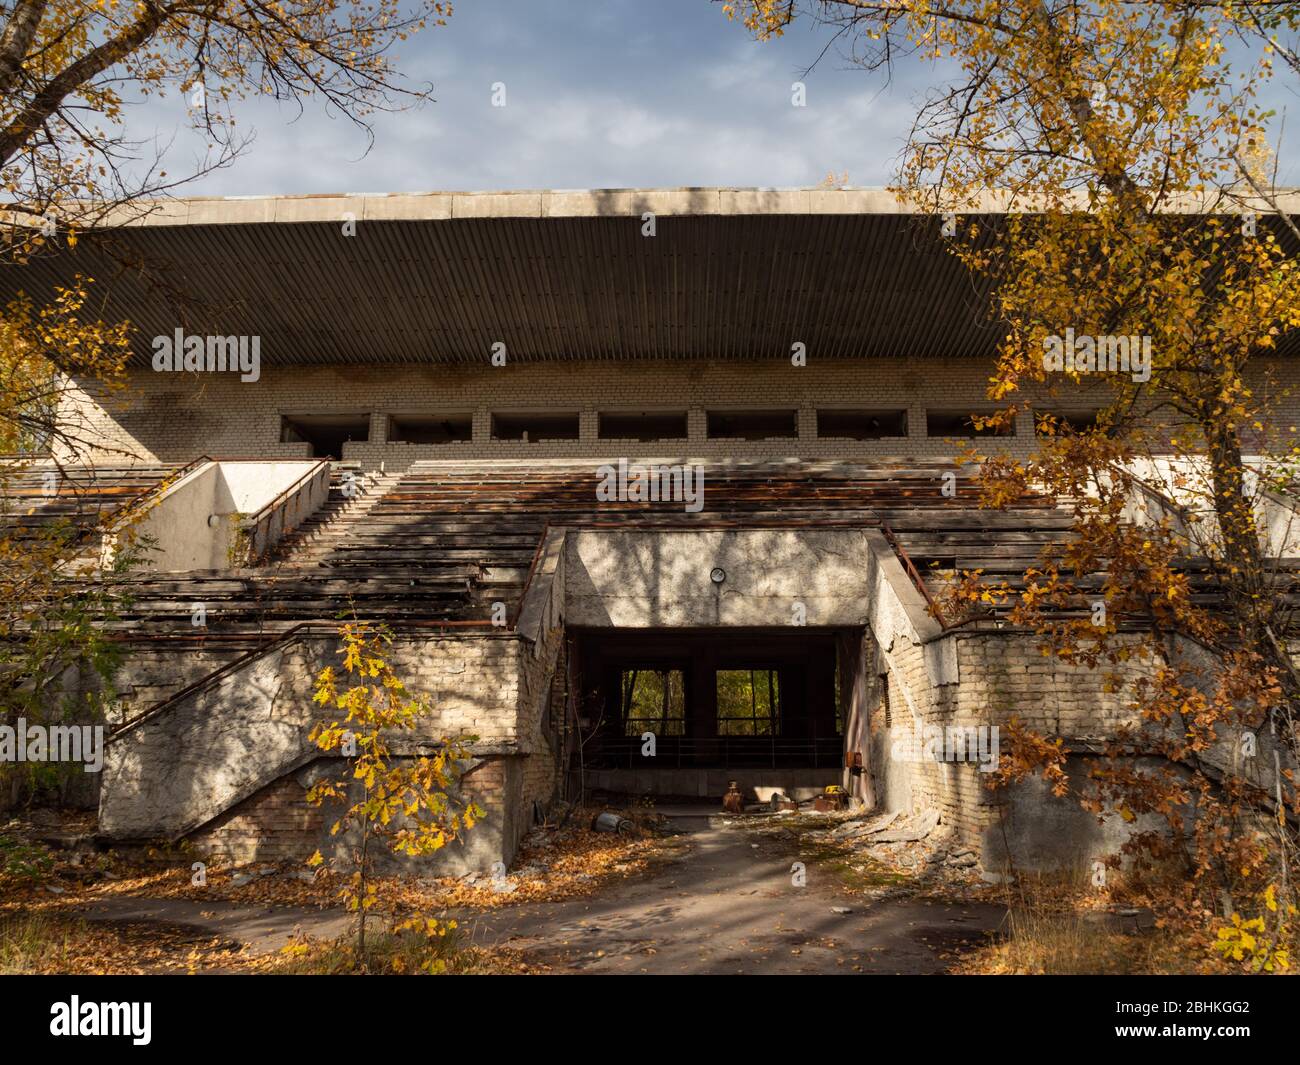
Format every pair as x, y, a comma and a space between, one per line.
177, 417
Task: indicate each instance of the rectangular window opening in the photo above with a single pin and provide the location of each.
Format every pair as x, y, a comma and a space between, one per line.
861, 424
753, 424
653, 700
326, 433
430, 428
535, 427
959, 423
642, 425
749, 702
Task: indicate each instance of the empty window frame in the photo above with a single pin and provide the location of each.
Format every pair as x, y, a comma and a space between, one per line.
430, 428
959, 423
753, 424
749, 702
653, 700
326, 433
1064, 422
533, 427
641, 425
861, 424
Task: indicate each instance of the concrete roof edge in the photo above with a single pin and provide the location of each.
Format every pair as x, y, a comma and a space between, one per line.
524, 203
569, 203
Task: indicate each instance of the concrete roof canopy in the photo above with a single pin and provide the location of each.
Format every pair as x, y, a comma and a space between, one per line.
442, 277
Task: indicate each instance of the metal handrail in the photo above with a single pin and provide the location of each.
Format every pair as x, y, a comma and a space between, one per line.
282, 639
311, 474
698, 751
932, 604
117, 519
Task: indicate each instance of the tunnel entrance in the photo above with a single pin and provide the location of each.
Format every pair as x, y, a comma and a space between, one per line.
683, 712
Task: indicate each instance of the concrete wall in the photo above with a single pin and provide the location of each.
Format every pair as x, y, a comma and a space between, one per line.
178, 525
268, 523
661, 579
199, 523
1037, 831
1186, 482
277, 824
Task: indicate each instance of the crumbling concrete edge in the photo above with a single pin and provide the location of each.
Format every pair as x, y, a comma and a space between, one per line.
938, 646
542, 606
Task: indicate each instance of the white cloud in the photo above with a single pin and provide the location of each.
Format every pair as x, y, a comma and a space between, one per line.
644, 94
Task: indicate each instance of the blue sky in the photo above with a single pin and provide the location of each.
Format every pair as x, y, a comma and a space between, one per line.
617, 93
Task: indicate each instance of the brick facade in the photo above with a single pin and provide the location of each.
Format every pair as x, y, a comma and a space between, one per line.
276, 824
176, 417
510, 691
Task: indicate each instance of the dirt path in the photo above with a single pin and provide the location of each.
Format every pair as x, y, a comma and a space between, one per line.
261, 928
728, 905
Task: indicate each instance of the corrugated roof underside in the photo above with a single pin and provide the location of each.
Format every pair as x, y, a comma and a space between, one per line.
704, 287
723, 287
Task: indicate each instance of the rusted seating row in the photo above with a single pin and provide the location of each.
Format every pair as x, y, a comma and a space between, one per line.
40, 497
441, 517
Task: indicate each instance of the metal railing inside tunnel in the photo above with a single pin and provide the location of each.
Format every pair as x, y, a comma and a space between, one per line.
715, 752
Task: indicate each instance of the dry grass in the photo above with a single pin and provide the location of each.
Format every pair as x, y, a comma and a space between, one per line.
1059, 925
31, 943
1066, 944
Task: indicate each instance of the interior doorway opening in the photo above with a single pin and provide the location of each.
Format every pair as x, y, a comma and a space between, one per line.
725, 700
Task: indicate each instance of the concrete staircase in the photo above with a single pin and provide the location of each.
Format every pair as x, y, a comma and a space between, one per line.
353, 493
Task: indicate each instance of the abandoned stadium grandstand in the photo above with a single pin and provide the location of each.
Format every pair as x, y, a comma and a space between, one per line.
675, 462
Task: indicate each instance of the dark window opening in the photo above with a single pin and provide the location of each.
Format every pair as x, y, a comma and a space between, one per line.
653, 700
960, 423
1064, 422
642, 425
531, 428
749, 702
430, 428
770, 701
326, 433
752, 424
862, 424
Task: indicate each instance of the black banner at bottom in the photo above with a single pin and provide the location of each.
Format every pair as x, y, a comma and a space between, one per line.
144, 1014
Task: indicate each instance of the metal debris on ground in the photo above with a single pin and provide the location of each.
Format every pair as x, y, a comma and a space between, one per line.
611, 822
832, 800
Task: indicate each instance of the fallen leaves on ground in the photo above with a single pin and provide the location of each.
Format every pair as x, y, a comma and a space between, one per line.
553, 864
563, 864
391, 955
43, 943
